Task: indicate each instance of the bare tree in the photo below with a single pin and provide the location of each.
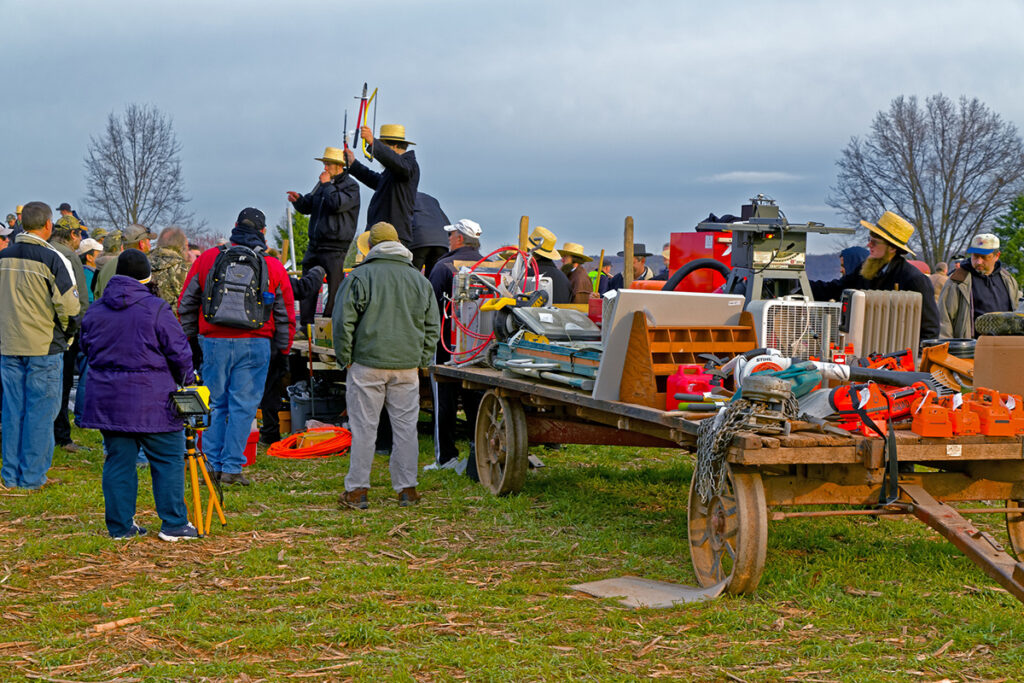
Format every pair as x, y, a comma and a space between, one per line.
133, 173
949, 168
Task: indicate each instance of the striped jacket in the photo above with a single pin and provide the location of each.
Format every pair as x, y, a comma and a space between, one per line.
38, 299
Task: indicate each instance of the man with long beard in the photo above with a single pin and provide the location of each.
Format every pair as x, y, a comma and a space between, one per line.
886, 268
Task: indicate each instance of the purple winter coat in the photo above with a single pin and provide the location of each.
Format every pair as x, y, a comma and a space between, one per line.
137, 354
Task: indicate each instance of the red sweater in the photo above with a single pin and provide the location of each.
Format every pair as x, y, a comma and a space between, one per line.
280, 329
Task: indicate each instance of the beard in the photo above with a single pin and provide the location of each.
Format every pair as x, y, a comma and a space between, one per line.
873, 266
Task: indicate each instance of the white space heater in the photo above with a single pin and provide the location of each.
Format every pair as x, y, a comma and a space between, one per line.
881, 321
795, 326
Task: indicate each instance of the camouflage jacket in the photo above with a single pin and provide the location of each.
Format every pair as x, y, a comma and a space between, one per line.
169, 271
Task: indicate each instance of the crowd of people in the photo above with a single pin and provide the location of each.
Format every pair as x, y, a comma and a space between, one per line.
134, 322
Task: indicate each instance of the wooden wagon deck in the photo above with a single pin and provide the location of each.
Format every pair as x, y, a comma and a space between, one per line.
767, 476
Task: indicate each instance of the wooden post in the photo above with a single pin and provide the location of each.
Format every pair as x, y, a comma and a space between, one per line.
524, 232
627, 267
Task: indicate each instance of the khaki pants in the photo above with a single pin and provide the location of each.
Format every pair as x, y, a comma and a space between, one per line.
367, 390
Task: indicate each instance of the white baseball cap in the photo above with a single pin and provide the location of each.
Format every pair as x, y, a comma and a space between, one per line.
87, 245
985, 243
466, 227
5, 230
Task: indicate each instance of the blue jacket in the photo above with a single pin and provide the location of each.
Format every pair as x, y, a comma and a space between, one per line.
394, 195
137, 354
428, 221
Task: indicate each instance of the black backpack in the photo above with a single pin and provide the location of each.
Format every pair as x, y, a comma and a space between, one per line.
235, 293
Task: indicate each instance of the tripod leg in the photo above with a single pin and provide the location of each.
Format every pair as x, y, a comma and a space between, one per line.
214, 501
197, 503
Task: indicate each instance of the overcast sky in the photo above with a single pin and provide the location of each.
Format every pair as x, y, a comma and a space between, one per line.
575, 113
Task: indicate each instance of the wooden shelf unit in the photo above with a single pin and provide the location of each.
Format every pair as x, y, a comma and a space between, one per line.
655, 353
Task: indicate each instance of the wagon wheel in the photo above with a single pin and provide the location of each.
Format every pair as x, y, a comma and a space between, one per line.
501, 444
1015, 528
729, 535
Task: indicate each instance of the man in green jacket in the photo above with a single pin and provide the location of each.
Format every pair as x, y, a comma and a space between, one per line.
979, 285
386, 326
66, 236
40, 307
134, 236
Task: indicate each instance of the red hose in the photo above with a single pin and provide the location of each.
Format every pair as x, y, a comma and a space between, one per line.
337, 445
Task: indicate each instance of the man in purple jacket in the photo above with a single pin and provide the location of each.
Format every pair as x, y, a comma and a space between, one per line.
138, 355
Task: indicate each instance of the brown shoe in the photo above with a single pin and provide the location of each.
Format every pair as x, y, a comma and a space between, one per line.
355, 499
408, 496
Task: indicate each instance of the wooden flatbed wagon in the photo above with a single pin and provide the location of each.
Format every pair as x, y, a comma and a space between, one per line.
766, 476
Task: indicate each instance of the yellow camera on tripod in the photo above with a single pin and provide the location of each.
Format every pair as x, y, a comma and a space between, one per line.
192, 400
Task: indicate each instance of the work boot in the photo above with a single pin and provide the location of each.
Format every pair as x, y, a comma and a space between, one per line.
355, 499
408, 496
1000, 324
232, 478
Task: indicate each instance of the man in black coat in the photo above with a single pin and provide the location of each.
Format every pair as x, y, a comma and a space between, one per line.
886, 268
394, 190
333, 210
429, 239
464, 249
543, 242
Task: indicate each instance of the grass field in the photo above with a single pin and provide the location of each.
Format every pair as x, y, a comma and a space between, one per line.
466, 586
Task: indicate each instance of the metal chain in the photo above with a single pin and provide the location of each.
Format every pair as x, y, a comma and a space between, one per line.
715, 434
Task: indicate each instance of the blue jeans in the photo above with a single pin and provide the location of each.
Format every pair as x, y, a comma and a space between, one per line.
235, 370
166, 452
32, 393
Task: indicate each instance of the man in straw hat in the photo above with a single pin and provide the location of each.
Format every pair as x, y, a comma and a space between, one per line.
886, 268
573, 259
394, 190
979, 285
542, 243
333, 210
385, 328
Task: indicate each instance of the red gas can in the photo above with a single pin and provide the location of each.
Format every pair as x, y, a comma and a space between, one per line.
689, 379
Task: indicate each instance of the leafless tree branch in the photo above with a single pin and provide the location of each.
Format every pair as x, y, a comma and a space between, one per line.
133, 173
948, 167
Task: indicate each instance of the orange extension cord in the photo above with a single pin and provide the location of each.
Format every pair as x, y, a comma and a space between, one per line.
336, 445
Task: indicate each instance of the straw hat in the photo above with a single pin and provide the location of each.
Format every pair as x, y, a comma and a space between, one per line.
545, 241
893, 229
362, 245
573, 249
393, 132
332, 155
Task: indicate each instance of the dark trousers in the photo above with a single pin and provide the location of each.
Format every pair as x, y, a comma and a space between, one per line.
334, 263
62, 424
273, 391
166, 453
426, 257
446, 408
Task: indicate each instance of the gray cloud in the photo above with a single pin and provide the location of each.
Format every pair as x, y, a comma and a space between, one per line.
574, 113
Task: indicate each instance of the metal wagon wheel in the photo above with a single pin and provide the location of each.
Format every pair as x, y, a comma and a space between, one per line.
729, 535
501, 444
1015, 528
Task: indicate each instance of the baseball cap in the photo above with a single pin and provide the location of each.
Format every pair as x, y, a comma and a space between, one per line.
985, 243
5, 231
466, 227
382, 232
87, 245
64, 207
252, 218
135, 233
